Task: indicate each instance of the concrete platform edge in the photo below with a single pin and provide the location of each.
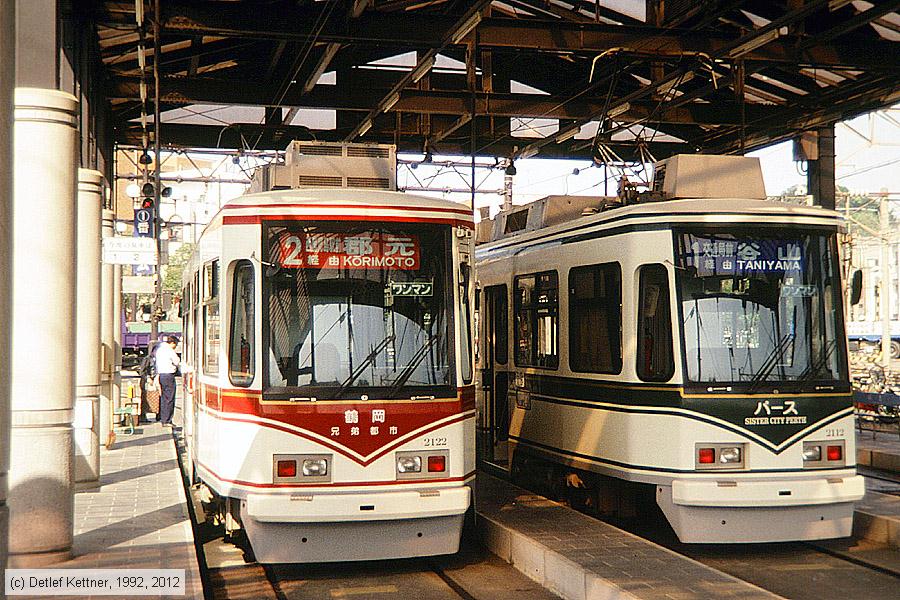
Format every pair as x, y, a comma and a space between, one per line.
194, 581
877, 459
878, 529
552, 570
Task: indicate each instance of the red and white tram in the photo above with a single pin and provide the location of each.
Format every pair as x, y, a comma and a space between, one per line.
329, 378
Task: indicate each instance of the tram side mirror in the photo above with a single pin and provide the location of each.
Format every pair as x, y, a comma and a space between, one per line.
465, 272
856, 287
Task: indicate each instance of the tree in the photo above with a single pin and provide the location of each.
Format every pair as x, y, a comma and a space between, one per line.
175, 267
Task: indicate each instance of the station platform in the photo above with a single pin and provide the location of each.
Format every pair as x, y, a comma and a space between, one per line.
137, 518
877, 517
581, 558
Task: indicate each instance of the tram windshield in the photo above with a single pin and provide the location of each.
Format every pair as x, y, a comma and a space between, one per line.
760, 307
358, 309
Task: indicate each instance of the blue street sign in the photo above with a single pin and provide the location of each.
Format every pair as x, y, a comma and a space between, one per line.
143, 222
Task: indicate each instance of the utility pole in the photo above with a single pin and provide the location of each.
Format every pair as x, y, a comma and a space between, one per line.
885, 290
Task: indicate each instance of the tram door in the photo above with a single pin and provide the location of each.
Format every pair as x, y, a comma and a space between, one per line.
495, 376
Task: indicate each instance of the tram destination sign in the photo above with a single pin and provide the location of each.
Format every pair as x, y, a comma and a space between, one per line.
129, 251
367, 250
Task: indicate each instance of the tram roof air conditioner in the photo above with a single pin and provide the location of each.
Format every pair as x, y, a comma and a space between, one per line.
329, 164
708, 176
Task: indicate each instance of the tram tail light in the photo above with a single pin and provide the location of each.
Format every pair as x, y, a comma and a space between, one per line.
437, 464
706, 456
286, 468
835, 453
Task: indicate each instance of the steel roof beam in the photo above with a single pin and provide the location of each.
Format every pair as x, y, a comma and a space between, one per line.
211, 136
456, 103
417, 30
461, 27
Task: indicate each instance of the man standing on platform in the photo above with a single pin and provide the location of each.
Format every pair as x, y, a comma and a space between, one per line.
167, 362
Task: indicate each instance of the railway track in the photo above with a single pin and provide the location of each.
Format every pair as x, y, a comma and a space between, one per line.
798, 570
229, 572
471, 575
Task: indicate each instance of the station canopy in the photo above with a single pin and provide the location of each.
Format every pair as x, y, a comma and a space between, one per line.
506, 78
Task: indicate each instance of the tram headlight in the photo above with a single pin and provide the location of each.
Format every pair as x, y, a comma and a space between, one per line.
812, 453
730, 455
315, 467
297, 468
719, 456
409, 464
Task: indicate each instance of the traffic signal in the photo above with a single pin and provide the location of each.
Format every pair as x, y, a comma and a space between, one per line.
147, 203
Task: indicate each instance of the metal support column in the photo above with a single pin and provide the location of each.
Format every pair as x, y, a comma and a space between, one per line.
7, 83
884, 290
87, 379
116, 383
41, 501
37, 53
107, 334
820, 173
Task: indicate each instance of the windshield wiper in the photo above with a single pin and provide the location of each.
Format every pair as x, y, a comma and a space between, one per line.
365, 364
410, 368
815, 367
771, 362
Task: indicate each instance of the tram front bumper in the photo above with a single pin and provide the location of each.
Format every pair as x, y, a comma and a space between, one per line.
323, 507
736, 510
741, 492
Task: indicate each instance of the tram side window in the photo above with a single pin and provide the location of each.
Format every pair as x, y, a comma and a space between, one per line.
501, 341
595, 319
185, 309
537, 320
242, 346
211, 318
654, 359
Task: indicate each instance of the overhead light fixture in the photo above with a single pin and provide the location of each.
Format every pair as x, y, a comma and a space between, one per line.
567, 134
364, 127
145, 158
754, 43
422, 69
465, 28
511, 169
618, 110
391, 101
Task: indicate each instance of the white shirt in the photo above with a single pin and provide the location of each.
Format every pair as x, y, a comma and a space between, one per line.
166, 359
